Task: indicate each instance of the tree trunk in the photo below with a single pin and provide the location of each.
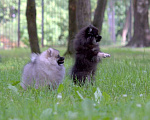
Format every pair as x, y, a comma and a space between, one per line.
72, 26
141, 37
111, 20
130, 21
32, 29
83, 13
125, 27
99, 14
42, 25
19, 2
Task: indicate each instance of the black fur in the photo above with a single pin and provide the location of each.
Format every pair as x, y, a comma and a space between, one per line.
86, 45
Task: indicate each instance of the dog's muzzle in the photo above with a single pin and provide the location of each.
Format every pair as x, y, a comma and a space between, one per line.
60, 60
97, 37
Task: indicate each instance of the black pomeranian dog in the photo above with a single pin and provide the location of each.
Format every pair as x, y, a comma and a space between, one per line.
87, 56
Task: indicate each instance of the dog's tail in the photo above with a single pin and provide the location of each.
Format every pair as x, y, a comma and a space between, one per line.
33, 57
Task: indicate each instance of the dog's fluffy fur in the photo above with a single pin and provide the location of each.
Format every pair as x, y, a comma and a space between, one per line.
45, 69
86, 45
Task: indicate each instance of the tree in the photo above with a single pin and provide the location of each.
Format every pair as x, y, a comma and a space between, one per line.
72, 26
79, 17
83, 13
32, 28
141, 37
125, 27
99, 14
111, 20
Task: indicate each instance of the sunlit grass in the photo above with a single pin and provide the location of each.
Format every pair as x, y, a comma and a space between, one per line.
123, 81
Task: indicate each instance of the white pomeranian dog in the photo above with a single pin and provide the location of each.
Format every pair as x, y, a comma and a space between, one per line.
45, 69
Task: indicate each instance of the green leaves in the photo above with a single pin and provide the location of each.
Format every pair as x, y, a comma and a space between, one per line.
60, 88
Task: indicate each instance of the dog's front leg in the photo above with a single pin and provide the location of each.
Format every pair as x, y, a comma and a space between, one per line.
103, 55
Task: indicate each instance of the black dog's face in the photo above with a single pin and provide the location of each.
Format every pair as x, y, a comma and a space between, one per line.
92, 35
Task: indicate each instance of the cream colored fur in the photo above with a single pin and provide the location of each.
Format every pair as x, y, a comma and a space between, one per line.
43, 70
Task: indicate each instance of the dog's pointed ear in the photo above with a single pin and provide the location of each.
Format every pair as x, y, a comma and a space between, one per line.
90, 29
49, 52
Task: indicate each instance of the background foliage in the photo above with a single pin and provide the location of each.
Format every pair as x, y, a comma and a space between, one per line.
55, 21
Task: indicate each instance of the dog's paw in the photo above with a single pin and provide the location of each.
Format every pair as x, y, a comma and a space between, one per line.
106, 55
103, 55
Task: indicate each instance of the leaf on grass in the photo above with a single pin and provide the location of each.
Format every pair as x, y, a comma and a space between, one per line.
88, 108
117, 118
13, 119
46, 114
80, 95
139, 105
59, 96
94, 89
147, 106
72, 115
106, 96
107, 118
15, 83
124, 95
98, 95
60, 88
13, 88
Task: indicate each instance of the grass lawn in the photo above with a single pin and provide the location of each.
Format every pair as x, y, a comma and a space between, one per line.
121, 92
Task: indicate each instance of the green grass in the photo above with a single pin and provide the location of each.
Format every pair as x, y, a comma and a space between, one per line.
122, 79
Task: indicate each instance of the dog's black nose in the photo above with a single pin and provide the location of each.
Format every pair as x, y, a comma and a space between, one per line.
98, 38
61, 58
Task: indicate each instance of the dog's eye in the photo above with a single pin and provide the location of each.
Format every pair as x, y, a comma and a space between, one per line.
97, 36
90, 34
58, 56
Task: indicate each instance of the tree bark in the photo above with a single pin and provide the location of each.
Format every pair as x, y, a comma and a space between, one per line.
99, 14
125, 27
83, 13
42, 25
32, 28
130, 21
72, 26
19, 2
111, 20
141, 37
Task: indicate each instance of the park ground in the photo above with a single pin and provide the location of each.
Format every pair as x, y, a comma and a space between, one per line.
121, 92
